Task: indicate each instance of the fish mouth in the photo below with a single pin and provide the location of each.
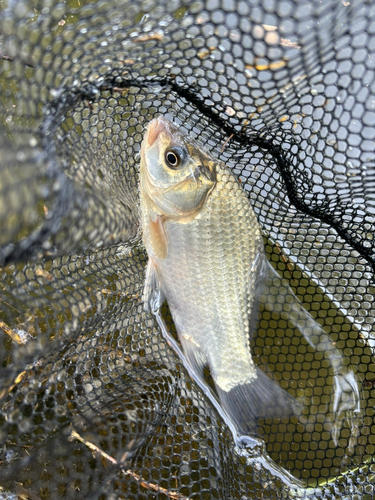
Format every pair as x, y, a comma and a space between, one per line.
155, 127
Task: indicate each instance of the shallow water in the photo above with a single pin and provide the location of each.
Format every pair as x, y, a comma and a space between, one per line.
316, 446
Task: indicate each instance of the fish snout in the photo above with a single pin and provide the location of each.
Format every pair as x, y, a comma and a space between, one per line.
155, 127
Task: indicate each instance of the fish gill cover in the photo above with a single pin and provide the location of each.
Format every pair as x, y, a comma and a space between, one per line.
95, 403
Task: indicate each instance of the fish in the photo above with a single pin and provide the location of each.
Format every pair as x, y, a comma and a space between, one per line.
206, 258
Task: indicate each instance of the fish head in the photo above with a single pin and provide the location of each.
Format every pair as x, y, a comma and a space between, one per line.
176, 177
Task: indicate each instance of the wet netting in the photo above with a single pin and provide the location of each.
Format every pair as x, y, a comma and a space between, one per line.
95, 404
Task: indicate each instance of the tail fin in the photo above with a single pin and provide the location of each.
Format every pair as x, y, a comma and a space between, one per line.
261, 398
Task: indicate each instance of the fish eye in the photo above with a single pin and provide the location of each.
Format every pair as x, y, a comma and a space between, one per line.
174, 157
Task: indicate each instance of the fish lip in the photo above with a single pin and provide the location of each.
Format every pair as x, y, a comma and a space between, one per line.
155, 127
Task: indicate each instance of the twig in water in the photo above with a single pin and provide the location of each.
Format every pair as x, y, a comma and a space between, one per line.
142, 482
21, 376
10, 305
147, 37
120, 89
13, 335
226, 142
75, 435
19, 445
4, 57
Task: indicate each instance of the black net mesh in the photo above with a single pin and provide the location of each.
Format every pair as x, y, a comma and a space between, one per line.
95, 404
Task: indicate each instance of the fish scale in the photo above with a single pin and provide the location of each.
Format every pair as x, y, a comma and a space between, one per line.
217, 323
206, 258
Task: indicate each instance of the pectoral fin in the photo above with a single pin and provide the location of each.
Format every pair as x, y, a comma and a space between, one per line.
158, 237
153, 296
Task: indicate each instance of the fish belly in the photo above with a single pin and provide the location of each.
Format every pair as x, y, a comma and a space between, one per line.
209, 278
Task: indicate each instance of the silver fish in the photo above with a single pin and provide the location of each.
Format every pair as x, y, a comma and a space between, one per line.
207, 259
